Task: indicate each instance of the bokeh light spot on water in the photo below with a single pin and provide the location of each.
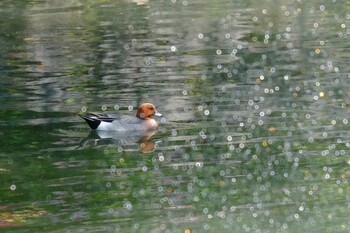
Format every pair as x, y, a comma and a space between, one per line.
91, 71
128, 205
174, 133
163, 119
13, 187
126, 47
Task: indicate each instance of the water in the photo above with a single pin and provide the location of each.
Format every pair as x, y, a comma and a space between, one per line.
254, 136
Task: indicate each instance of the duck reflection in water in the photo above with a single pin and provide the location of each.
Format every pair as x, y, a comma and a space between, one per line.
125, 130
144, 140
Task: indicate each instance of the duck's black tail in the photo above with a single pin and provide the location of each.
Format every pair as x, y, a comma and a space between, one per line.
92, 121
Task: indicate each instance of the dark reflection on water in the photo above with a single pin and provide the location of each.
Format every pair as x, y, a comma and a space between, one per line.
254, 136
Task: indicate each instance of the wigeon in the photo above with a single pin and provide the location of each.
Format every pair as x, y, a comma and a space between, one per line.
142, 121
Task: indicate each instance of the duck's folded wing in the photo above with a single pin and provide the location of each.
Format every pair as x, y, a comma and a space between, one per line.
130, 120
101, 117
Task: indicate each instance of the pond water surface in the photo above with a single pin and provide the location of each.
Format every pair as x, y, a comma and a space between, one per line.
255, 130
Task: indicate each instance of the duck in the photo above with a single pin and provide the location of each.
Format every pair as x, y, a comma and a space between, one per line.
142, 122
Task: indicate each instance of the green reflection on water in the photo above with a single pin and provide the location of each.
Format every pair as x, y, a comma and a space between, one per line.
248, 142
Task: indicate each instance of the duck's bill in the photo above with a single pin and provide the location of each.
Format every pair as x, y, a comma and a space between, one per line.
158, 114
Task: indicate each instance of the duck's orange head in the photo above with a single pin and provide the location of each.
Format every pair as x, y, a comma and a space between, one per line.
146, 111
